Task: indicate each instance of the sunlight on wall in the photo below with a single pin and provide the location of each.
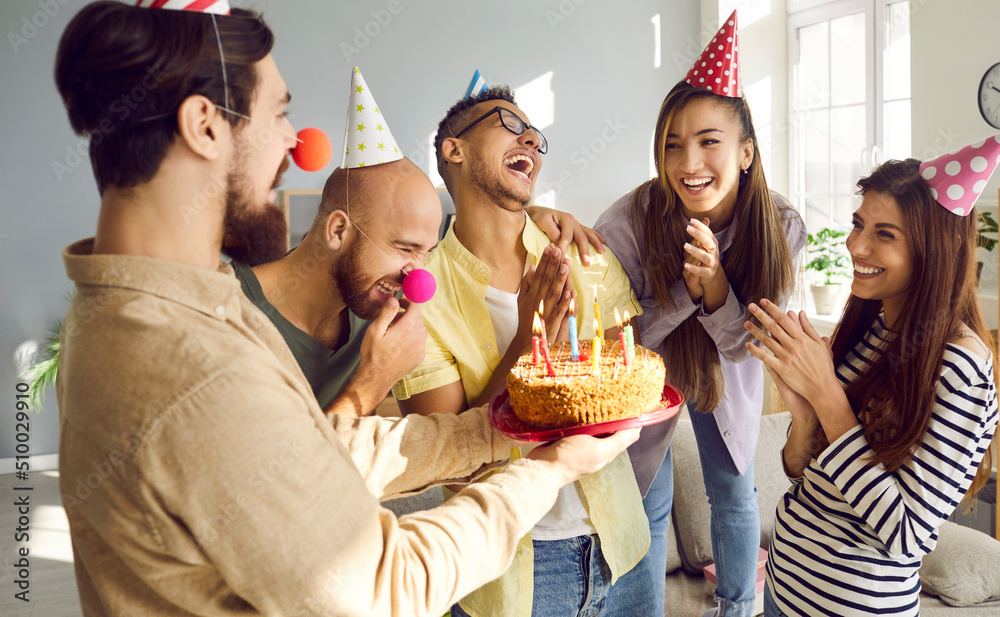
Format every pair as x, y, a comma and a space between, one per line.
656, 41
537, 100
432, 168
50, 534
758, 95
546, 199
749, 10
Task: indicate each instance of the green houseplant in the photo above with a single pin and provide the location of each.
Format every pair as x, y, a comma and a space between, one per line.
828, 258
41, 373
986, 237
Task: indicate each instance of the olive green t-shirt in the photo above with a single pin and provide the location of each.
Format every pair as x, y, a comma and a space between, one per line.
326, 370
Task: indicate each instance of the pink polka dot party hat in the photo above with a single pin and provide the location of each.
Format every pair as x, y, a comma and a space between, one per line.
718, 69
957, 178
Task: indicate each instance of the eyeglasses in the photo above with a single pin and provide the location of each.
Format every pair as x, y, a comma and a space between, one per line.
512, 123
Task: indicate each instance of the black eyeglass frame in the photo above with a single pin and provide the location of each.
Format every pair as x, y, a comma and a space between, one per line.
543, 144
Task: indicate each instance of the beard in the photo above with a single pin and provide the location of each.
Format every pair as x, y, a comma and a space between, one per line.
493, 186
354, 284
253, 234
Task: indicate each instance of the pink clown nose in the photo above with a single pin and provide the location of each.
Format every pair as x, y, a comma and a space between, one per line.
419, 286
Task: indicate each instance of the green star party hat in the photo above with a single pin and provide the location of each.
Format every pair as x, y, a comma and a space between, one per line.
367, 138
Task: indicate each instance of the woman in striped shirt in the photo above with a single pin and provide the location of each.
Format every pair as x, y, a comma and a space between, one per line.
891, 423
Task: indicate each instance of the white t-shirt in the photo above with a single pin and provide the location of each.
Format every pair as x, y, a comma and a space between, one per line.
568, 518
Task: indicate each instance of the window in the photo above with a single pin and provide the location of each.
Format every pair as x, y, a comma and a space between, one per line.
849, 101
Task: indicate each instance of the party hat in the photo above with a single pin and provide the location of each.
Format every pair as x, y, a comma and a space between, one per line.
957, 178
218, 7
367, 139
477, 85
717, 69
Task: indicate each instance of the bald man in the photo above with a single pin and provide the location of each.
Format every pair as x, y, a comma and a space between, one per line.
332, 298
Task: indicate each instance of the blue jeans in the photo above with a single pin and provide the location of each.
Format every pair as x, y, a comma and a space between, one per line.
658, 501
770, 607
572, 578
735, 518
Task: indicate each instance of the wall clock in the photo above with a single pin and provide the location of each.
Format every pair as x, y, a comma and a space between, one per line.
989, 96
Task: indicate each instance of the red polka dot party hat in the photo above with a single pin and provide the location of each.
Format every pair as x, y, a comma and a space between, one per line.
957, 178
718, 69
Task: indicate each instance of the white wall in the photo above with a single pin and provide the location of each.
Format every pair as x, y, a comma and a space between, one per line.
764, 64
953, 43
592, 60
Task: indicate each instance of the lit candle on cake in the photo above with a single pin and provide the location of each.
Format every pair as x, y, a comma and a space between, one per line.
629, 341
621, 337
541, 321
595, 355
574, 345
545, 339
597, 311
536, 327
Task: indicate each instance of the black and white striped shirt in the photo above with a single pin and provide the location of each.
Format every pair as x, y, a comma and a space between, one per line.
849, 537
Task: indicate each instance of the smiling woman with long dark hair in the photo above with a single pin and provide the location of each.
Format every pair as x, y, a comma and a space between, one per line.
699, 242
891, 423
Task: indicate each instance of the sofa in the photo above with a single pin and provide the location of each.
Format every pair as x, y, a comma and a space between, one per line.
960, 578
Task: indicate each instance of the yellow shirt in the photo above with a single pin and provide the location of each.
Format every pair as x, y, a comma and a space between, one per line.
461, 345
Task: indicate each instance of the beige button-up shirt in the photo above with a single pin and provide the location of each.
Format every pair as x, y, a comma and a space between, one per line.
201, 477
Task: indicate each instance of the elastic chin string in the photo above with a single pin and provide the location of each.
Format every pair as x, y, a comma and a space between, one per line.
222, 57
225, 88
347, 203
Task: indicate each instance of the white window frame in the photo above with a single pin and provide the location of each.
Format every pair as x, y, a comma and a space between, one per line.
809, 12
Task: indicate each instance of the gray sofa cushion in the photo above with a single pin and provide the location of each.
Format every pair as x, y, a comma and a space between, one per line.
691, 512
964, 568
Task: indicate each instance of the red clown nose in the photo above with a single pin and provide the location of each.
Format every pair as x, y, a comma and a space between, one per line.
314, 150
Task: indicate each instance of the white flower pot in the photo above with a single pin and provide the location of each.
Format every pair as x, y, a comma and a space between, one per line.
825, 297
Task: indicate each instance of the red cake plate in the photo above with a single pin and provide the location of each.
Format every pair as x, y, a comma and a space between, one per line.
503, 419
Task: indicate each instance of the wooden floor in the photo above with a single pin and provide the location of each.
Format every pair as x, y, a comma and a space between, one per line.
52, 583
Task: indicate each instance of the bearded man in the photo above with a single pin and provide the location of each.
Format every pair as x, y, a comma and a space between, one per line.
223, 488
333, 297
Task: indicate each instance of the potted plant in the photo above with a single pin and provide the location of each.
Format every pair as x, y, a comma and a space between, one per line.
986, 237
831, 263
41, 373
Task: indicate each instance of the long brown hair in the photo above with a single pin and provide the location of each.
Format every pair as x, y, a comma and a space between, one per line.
895, 396
758, 263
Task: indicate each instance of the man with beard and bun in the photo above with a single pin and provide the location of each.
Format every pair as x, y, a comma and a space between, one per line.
587, 553
198, 473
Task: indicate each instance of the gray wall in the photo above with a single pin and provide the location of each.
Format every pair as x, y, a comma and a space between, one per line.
417, 61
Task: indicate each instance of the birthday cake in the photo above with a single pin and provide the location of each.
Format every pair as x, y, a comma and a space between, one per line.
578, 394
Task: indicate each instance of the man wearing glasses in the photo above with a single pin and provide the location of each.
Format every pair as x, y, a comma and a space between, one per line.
493, 268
